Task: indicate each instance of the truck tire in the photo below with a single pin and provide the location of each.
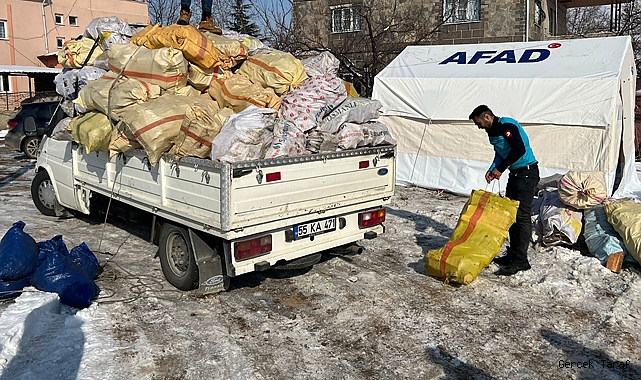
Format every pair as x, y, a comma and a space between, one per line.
177, 257
43, 194
30, 146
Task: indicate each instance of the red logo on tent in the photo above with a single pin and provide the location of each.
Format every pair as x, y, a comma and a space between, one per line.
554, 45
508, 134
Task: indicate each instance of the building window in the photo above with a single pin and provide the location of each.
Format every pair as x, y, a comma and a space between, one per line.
346, 18
4, 83
3, 30
552, 21
73, 20
461, 10
60, 42
539, 15
59, 19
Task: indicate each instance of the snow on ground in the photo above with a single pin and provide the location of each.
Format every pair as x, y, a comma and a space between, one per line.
374, 315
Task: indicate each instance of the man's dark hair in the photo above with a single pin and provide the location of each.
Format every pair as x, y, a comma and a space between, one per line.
480, 110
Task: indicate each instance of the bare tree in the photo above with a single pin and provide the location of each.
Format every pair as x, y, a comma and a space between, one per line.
166, 12
617, 19
366, 36
275, 19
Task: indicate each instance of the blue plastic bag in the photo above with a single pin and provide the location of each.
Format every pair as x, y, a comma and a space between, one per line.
85, 259
18, 253
59, 274
10, 289
81, 255
55, 244
601, 238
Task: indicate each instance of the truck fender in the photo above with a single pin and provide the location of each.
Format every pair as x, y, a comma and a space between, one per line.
56, 187
211, 275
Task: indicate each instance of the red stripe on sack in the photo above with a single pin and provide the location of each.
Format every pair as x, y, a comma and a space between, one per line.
137, 74
203, 48
71, 61
147, 89
468, 231
195, 137
266, 67
157, 123
229, 95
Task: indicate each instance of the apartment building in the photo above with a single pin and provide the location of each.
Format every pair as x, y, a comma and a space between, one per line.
38, 28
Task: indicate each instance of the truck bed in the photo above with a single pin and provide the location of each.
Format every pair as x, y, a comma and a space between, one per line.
249, 196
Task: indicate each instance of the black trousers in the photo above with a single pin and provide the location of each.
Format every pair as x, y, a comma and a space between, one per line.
520, 187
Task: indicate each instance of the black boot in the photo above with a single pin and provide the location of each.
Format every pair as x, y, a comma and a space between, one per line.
512, 268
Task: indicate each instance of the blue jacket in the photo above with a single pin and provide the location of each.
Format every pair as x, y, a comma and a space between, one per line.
511, 145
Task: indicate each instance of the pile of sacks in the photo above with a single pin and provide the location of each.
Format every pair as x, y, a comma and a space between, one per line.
579, 204
190, 93
48, 266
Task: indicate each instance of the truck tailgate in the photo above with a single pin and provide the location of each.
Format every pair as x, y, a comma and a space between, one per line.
291, 189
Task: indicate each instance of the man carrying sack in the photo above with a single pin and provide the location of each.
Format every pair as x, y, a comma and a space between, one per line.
511, 151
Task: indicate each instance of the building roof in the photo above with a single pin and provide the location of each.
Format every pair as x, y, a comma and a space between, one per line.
25, 70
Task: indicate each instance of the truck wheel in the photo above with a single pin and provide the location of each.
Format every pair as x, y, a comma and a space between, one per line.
43, 194
177, 257
30, 146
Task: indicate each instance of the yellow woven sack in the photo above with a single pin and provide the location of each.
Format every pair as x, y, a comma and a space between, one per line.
351, 91
195, 46
199, 127
200, 78
583, 190
141, 37
238, 92
625, 217
164, 67
92, 130
103, 93
232, 51
122, 140
155, 124
479, 235
74, 53
276, 69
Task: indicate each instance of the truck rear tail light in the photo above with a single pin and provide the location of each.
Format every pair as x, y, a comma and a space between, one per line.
271, 177
247, 249
12, 124
363, 164
371, 218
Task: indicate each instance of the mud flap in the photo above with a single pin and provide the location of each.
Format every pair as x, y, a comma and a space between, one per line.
211, 275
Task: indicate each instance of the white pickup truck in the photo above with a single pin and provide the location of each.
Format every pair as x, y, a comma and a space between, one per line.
220, 220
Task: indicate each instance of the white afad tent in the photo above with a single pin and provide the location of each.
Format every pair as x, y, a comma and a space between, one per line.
574, 98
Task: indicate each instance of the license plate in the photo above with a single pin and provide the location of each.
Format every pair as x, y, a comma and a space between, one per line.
314, 228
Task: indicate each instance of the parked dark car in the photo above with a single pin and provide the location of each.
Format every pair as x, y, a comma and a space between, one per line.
32, 121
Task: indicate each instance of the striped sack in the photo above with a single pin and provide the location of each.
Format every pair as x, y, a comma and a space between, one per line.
279, 70
103, 93
164, 67
195, 46
477, 238
238, 92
